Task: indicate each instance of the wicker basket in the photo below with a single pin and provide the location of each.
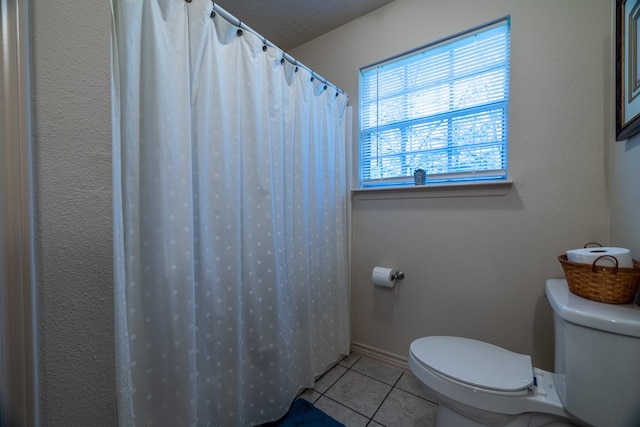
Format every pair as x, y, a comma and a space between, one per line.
611, 285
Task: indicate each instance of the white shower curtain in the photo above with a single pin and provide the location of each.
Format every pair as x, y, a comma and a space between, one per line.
230, 220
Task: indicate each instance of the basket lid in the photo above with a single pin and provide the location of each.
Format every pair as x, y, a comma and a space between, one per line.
621, 319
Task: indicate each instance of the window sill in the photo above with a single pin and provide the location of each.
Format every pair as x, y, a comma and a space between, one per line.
470, 189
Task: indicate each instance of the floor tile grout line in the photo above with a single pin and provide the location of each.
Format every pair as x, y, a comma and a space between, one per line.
350, 367
334, 382
386, 397
323, 394
375, 379
351, 409
412, 393
378, 379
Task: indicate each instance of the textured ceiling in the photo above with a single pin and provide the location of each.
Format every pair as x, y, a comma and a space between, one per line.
290, 23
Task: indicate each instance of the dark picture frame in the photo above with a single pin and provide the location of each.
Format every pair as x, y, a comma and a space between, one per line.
627, 68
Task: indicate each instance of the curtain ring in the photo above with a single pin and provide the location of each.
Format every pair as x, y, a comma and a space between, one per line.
295, 70
312, 78
282, 60
212, 14
188, 1
264, 44
239, 32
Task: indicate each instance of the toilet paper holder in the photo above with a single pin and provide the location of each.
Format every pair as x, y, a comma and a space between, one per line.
397, 275
386, 277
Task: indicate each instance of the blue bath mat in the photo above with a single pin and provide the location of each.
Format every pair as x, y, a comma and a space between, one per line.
303, 414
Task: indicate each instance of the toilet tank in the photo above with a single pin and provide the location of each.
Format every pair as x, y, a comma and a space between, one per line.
597, 357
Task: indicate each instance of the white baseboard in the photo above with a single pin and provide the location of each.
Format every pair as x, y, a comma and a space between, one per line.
381, 356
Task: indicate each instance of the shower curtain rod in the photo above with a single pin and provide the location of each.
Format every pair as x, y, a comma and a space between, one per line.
241, 25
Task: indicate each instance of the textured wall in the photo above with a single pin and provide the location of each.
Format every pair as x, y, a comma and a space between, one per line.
72, 161
476, 266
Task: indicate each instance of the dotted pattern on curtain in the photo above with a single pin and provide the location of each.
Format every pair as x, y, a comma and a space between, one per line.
230, 217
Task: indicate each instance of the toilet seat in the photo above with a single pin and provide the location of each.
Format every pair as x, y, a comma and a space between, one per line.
481, 377
475, 364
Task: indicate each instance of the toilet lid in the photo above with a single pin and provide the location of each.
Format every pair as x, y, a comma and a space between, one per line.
476, 363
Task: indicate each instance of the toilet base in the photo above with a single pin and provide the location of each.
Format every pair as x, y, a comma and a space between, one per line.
447, 417
464, 406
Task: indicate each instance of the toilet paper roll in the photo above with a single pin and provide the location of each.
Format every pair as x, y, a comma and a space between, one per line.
588, 255
382, 276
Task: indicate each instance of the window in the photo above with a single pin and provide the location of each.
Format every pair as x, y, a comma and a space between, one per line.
442, 108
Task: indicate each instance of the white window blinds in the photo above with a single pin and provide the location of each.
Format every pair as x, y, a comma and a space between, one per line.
442, 108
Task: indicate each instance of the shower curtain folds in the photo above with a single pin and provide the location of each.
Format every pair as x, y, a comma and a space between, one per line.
231, 284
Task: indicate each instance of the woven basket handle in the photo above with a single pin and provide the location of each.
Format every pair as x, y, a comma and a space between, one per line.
593, 243
595, 269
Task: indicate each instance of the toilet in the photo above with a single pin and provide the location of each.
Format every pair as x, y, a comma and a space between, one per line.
596, 380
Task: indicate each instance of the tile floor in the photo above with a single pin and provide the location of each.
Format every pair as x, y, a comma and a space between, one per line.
360, 392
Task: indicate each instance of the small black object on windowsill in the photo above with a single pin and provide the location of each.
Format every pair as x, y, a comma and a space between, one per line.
419, 176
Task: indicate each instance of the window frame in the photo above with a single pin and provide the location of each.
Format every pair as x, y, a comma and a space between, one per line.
448, 180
